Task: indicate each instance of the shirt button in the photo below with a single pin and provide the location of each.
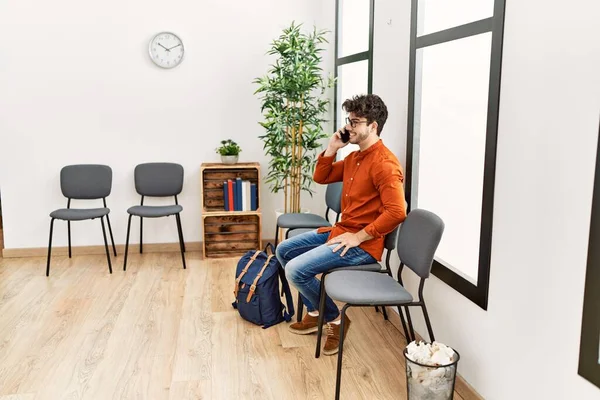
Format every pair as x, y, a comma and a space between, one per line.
346, 195
357, 163
351, 179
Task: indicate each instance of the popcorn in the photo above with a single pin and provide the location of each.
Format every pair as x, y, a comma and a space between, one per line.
436, 381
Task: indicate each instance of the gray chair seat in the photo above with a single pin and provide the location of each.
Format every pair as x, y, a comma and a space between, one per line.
365, 288
301, 220
76, 214
155, 211
296, 232
375, 267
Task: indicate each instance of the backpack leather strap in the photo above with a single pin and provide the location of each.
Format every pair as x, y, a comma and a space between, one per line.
239, 278
253, 287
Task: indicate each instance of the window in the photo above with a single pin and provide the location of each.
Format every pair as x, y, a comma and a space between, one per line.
354, 56
455, 61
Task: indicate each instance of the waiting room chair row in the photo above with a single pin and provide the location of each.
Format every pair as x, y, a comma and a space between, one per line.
94, 181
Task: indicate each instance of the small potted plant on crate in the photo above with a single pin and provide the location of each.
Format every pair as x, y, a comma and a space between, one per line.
229, 151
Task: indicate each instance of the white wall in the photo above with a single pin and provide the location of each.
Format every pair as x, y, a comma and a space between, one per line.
390, 70
77, 86
526, 345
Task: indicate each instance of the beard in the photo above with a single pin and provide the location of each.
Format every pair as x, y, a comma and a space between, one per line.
359, 137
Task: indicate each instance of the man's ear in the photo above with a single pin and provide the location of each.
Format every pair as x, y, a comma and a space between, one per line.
374, 126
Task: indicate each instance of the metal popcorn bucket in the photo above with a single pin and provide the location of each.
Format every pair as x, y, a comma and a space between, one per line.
425, 382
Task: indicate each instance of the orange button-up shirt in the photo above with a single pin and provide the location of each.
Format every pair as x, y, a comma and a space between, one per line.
372, 195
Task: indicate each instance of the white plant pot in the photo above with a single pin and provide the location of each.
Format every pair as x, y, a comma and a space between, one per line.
229, 159
279, 212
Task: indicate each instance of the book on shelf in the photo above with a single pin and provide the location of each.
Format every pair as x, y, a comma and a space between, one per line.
240, 195
238, 191
253, 197
226, 195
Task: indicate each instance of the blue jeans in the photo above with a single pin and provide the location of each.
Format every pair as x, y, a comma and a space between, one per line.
305, 256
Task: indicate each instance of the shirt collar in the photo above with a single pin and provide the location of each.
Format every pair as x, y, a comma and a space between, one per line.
373, 147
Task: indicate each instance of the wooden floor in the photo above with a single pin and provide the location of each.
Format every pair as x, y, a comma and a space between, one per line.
160, 332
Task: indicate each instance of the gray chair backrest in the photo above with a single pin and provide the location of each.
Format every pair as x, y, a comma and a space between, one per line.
86, 181
158, 179
419, 237
390, 239
333, 196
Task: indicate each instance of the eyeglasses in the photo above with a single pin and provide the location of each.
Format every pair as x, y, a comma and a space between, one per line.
353, 123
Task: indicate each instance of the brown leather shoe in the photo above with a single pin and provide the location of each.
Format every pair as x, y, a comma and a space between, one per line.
306, 326
332, 343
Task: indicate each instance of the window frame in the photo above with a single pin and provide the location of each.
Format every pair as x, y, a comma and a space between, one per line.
477, 293
589, 348
352, 58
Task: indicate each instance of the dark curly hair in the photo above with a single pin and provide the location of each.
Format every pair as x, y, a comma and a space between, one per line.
368, 106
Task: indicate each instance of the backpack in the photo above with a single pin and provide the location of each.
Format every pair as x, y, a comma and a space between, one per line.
256, 291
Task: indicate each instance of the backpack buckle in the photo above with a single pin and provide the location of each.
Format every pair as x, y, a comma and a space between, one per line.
250, 293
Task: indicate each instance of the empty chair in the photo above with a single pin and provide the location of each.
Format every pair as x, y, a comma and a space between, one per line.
157, 180
418, 239
293, 221
83, 182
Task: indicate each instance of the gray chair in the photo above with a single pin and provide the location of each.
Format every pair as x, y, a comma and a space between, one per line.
298, 231
418, 239
293, 221
83, 182
390, 244
157, 180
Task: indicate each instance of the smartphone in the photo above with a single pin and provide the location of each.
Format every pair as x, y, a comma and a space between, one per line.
345, 135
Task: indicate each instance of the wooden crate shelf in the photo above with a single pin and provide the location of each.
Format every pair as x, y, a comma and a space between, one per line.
228, 233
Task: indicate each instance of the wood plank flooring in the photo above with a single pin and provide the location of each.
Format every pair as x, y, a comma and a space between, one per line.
160, 332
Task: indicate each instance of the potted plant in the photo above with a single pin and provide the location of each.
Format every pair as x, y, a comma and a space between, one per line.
293, 105
229, 151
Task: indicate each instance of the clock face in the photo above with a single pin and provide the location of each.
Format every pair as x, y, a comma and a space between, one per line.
166, 50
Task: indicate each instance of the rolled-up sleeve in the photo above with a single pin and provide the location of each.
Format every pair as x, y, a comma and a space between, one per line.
327, 171
389, 181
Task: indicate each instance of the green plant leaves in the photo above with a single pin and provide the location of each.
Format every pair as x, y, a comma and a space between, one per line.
293, 108
228, 148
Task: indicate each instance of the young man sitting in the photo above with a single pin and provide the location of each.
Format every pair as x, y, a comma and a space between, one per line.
373, 205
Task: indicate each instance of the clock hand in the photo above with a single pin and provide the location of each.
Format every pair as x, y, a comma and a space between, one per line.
174, 46
164, 47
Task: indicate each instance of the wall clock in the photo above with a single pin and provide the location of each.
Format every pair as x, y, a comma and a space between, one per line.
166, 50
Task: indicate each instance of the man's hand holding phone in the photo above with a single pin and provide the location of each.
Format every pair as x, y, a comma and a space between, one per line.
338, 140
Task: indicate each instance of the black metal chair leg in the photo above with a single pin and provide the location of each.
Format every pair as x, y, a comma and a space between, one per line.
106, 245
384, 313
111, 235
429, 329
180, 239
180, 231
377, 309
141, 232
300, 307
338, 380
69, 234
322, 297
410, 325
127, 242
276, 234
406, 335
49, 248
